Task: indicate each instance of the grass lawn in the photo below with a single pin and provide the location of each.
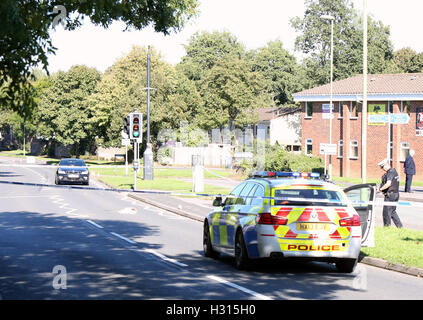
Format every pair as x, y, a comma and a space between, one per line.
159, 183
400, 246
165, 172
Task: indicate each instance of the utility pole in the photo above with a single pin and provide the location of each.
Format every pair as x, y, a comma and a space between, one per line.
331, 19
364, 106
148, 153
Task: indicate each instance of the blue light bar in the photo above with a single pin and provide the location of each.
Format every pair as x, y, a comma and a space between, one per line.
264, 174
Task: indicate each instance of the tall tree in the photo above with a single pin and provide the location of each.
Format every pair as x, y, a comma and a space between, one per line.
281, 71
230, 90
408, 60
63, 112
25, 40
121, 91
314, 41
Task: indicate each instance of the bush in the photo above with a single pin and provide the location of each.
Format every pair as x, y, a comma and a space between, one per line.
277, 159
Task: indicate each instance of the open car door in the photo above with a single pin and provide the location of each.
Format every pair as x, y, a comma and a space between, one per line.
362, 197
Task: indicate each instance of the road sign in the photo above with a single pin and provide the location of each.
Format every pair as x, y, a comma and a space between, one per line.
394, 118
399, 118
378, 118
126, 142
329, 149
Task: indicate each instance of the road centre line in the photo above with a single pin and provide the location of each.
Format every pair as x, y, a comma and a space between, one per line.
235, 286
163, 257
95, 224
123, 238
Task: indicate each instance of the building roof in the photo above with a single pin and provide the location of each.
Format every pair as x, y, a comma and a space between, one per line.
267, 114
401, 86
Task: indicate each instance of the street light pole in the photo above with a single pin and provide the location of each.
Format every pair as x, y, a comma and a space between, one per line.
331, 19
364, 106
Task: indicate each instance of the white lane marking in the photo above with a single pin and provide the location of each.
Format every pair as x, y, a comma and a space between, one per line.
233, 285
94, 224
163, 257
128, 211
123, 238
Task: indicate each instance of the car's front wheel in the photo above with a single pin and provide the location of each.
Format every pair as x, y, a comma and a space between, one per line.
346, 265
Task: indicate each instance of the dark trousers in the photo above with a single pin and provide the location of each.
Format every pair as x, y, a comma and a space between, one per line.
408, 181
390, 212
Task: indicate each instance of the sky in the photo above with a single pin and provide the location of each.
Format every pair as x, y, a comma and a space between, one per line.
254, 23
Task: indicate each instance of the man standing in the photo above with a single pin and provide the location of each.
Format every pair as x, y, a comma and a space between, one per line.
409, 170
390, 189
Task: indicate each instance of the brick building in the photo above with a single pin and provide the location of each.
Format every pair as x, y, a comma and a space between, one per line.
394, 95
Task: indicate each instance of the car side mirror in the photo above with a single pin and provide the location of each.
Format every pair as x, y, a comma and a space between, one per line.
217, 202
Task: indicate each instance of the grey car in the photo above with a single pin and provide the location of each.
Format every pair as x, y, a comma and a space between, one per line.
72, 171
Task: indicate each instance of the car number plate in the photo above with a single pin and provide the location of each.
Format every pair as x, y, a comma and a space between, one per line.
313, 227
73, 175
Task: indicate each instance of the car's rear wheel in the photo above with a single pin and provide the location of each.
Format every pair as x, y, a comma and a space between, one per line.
207, 244
242, 262
346, 265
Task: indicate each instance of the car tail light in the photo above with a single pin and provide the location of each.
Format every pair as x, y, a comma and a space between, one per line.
267, 218
354, 221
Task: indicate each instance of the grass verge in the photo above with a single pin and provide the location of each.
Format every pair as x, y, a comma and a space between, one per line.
399, 246
159, 183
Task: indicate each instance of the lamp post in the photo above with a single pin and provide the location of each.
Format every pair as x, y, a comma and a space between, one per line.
364, 105
331, 19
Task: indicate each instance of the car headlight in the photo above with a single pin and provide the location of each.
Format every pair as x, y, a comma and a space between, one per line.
84, 172
60, 171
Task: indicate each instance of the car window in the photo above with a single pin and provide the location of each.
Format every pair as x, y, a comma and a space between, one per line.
250, 195
72, 163
233, 195
258, 197
307, 197
244, 193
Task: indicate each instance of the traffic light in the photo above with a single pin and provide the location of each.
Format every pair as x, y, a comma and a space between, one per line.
126, 125
135, 131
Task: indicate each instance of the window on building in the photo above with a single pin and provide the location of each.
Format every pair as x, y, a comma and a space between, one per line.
391, 107
309, 146
405, 150
340, 110
407, 107
353, 110
309, 109
353, 149
341, 149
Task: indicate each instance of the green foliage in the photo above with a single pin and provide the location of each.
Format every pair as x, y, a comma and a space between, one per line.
277, 159
230, 90
283, 75
120, 91
408, 61
63, 112
314, 41
25, 40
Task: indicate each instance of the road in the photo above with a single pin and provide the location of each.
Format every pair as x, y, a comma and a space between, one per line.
75, 243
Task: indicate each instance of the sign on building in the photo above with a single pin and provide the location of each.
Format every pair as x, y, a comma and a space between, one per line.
419, 122
326, 111
329, 149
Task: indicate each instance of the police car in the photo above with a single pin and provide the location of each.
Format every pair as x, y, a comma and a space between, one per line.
290, 215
